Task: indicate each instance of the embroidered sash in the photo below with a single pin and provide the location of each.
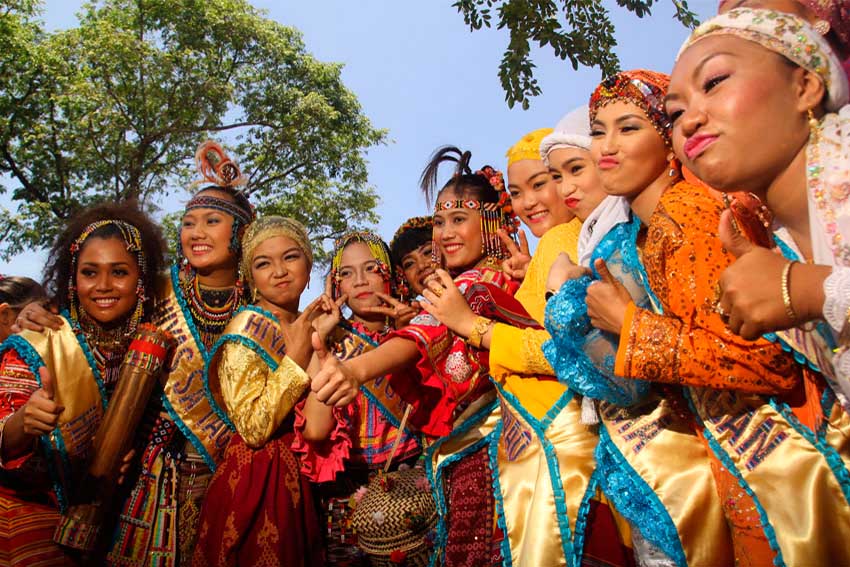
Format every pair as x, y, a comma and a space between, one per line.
767, 449
78, 387
379, 391
184, 393
257, 329
658, 473
544, 481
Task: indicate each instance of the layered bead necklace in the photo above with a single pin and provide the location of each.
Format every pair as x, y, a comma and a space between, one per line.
211, 308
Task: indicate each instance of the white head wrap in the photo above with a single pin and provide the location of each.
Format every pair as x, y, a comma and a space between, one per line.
572, 131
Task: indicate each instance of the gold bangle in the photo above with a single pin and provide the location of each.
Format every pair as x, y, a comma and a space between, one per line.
786, 292
479, 329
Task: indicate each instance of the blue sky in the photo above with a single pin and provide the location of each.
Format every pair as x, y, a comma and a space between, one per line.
420, 73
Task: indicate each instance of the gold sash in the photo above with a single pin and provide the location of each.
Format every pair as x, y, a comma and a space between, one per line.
78, 387
184, 394
660, 447
804, 511
545, 480
260, 331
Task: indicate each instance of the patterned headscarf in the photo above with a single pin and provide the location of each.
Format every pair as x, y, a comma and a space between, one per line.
786, 35
644, 88
377, 247
528, 147
834, 12
269, 227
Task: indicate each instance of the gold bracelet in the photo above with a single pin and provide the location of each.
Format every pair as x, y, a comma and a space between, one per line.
479, 329
786, 292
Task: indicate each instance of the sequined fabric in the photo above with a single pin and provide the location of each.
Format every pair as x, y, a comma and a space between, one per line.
691, 344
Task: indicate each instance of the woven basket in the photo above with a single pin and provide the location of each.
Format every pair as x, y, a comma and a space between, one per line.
399, 501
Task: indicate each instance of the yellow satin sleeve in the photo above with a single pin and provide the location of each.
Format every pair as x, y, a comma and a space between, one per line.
532, 292
257, 398
518, 350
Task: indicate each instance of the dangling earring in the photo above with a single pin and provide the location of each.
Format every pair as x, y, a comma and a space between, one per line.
255, 293
822, 27
814, 127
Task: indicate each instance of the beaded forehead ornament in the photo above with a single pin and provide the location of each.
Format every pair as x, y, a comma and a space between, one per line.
494, 216
377, 248
645, 89
133, 240
222, 173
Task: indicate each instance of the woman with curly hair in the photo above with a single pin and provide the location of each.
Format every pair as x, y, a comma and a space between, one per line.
54, 386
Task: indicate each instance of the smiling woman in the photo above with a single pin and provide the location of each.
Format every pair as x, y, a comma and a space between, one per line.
55, 385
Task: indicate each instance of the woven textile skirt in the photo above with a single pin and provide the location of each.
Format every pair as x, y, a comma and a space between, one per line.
26, 533
258, 510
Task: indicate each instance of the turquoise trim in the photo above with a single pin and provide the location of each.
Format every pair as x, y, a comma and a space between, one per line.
436, 484
251, 344
84, 344
721, 454
551, 463
199, 344
442, 533
34, 361
635, 500
833, 459
256, 309
187, 315
188, 434
388, 415
493, 456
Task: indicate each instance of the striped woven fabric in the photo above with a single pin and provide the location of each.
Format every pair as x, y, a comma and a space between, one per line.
26, 533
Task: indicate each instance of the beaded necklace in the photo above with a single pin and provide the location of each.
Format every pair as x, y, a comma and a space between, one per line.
211, 309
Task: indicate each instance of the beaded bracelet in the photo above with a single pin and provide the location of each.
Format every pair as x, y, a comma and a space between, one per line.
479, 329
786, 292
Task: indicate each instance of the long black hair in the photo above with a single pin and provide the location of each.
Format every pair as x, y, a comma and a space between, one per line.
465, 183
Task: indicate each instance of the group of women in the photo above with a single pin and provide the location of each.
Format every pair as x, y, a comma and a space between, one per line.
665, 381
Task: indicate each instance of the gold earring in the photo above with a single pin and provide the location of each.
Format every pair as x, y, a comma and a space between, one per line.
822, 27
255, 293
814, 126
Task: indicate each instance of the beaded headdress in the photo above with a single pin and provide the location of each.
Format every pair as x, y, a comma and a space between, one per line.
220, 172
422, 225
133, 240
269, 227
528, 147
787, 35
494, 216
377, 247
643, 88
